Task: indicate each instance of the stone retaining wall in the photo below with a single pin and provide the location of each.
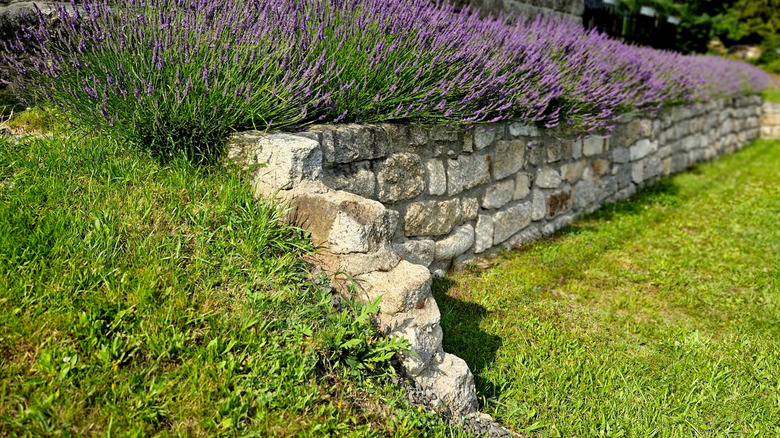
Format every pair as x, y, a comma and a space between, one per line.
770, 123
392, 204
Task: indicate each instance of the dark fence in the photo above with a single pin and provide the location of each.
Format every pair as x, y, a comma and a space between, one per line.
645, 27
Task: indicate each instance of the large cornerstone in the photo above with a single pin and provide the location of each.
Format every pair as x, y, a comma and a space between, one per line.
393, 204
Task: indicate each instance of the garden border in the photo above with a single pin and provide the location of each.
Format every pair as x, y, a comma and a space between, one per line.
392, 204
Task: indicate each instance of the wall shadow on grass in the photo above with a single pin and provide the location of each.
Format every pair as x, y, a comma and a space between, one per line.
463, 336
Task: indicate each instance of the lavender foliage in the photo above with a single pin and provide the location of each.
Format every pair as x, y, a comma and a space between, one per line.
181, 74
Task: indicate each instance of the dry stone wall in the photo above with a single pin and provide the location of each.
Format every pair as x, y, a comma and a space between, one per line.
770, 124
392, 205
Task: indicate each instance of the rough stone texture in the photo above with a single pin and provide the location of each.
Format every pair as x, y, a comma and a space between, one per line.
510, 220
450, 376
402, 289
522, 186
559, 202
420, 326
483, 233
509, 157
538, 205
572, 172
517, 129
400, 177
593, 146
548, 178
499, 194
280, 161
483, 137
455, 244
357, 178
770, 122
343, 222
431, 218
527, 235
467, 171
437, 178
469, 209
419, 252
348, 143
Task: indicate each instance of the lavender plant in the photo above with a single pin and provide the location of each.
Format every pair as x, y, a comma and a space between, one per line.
178, 75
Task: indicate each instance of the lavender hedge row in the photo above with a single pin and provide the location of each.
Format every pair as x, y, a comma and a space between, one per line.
178, 75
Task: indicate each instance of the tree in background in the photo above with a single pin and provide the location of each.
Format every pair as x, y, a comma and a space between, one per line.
755, 22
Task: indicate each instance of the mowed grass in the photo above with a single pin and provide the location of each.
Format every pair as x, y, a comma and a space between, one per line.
140, 298
655, 317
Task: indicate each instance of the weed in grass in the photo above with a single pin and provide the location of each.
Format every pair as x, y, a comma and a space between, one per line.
652, 317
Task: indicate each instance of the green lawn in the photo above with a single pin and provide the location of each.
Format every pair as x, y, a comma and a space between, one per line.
659, 316
141, 298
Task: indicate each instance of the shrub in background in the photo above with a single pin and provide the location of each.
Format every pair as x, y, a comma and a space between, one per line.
177, 76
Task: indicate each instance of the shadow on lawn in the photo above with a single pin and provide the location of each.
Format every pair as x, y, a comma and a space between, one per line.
461, 319
462, 334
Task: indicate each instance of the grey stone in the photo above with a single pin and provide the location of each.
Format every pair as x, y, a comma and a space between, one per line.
548, 178
419, 252
586, 192
519, 239
437, 178
572, 172
348, 143
354, 264
638, 172
355, 178
467, 171
517, 129
421, 327
431, 218
402, 288
443, 133
400, 177
460, 241
452, 381
576, 149
498, 194
553, 151
621, 155
483, 233
510, 220
623, 174
483, 137
652, 167
469, 207
642, 148
279, 161
538, 205
557, 224
691, 142
593, 145
342, 222
509, 157
418, 136
522, 186
601, 166
468, 141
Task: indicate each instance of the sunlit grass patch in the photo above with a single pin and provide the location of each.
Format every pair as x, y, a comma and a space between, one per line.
656, 316
140, 298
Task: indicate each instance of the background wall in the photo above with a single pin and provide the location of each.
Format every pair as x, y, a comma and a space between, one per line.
570, 9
